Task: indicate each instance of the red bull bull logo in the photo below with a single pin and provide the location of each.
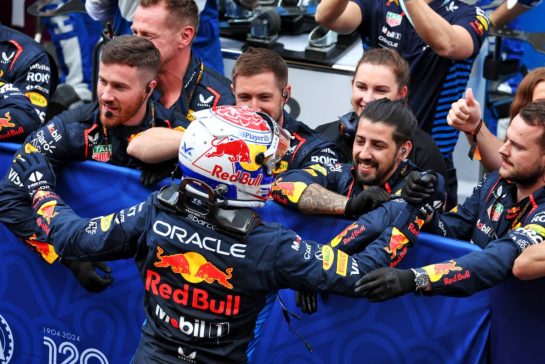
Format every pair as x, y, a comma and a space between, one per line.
436, 271
194, 268
291, 190
46, 250
47, 210
236, 150
337, 239
398, 240
5, 121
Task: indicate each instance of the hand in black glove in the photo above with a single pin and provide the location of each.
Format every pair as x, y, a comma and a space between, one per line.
307, 301
153, 173
385, 283
35, 172
419, 187
87, 276
366, 201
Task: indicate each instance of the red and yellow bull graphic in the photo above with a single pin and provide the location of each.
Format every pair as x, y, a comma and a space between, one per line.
436, 271
194, 268
46, 251
291, 190
5, 122
348, 234
398, 246
235, 149
47, 210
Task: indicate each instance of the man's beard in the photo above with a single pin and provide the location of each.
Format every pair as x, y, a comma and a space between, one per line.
523, 179
120, 116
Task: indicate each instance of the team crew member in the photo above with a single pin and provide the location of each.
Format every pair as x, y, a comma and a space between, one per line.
27, 81
185, 84
99, 131
206, 260
378, 169
440, 40
381, 72
504, 216
260, 82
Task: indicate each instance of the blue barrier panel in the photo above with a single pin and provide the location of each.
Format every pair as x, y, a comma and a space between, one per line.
46, 317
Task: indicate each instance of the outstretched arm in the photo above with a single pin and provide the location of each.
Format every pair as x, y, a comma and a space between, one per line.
155, 145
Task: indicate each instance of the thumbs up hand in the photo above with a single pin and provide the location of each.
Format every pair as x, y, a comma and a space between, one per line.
465, 113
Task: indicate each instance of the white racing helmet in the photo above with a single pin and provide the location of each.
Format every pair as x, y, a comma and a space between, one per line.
234, 151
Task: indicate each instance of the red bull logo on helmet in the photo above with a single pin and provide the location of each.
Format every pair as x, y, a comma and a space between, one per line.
194, 268
236, 150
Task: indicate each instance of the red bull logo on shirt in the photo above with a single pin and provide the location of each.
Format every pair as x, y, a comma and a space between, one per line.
194, 268
436, 271
5, 122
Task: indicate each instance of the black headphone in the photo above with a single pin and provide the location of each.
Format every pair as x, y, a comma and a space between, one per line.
285, 94
403, 151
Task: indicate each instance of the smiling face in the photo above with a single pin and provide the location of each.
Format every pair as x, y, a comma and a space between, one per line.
375, 153
372, 82
121, 95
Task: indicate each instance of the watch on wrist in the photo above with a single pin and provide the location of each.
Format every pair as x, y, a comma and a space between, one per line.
421, 279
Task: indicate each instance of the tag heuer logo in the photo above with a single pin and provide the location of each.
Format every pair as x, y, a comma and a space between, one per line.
393, 19
102, 153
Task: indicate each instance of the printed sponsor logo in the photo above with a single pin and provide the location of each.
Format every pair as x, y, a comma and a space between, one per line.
244, 178
46, 251
191, 296
291, 190
393, 19
38, 77
177, 233
436, 271
452, 7
540, 217
42, 144
324, 160
485, 228
398, 242
191, 357
7, 58
205, 102
391, 34
5, 122
53, 132
36, 99
106, 222
342, 263
328, 256
194, 268
388, 42
316, 168
102, 153
337, 239
40, 66
195, 328
236, 150
7, 343
42, 89
457, 277
308, 251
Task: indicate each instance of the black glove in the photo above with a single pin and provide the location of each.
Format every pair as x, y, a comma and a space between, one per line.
419, 187
35, 172
153, 173
366, 201
307, 301
385, 283
87, 276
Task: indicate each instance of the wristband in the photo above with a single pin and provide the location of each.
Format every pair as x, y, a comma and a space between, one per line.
474, 149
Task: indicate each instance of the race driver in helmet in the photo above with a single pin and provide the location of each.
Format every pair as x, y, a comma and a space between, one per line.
204, 256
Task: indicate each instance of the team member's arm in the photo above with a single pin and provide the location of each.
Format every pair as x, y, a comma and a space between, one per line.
460, 277
156, 145
106, 237
310, 191
465, 115
342, 16
24, 99
530, 264
503, 15
455, 41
